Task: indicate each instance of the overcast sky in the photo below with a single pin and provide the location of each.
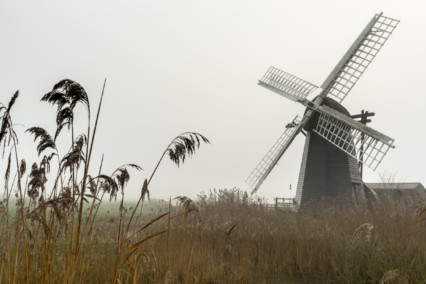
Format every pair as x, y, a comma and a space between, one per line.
176, 66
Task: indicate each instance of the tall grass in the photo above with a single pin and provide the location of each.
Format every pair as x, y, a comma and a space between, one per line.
242, 241
48, 238
67, 234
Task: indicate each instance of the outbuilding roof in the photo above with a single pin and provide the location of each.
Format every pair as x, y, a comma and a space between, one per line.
409, 192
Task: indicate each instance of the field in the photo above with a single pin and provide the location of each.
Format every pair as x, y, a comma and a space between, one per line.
71, 233
226, 238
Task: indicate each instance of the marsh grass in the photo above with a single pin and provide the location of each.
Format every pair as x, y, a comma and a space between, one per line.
48, 235
245, 242
226, 237
82, 231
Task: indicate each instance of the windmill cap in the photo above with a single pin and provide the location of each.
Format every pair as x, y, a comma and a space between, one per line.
327, 101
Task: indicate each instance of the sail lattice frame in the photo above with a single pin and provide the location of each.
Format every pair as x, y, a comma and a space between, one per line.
358, 140
287, 85
263, 168
358, 57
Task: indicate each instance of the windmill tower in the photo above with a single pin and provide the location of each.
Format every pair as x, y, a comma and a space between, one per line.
334, 141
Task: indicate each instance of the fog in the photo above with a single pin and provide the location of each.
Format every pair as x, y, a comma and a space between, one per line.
177, 66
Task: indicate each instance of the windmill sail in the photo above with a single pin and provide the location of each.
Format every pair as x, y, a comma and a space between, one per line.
358, 57
262, 170
353, 137
286, 85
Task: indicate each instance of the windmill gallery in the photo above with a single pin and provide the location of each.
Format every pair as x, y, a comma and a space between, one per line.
335, 143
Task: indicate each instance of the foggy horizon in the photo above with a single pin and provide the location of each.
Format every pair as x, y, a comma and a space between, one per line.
191, 66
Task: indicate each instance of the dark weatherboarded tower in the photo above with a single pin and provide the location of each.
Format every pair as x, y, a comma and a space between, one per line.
327, 172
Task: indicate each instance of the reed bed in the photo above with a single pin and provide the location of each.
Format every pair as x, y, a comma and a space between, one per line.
70, 234
233, 238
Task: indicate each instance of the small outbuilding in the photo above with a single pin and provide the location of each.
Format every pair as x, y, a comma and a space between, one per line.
406, 192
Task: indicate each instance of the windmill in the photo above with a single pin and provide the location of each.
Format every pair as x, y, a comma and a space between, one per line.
334, 141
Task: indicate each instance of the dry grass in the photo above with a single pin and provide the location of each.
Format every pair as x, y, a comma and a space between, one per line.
278, 246
226, 239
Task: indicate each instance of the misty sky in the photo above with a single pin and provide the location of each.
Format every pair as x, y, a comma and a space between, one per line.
177, 66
